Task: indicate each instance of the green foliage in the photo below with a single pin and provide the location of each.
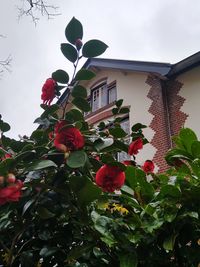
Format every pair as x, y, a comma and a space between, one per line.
74, 30
60, 76
94, 48
69, 52
64, 219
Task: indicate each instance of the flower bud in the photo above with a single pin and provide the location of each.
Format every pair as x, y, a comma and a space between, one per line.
78, 44
11, 178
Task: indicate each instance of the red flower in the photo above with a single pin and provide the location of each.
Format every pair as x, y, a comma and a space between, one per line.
110, 178
48, 91
148, 166
11, 193
135, 146
68, 139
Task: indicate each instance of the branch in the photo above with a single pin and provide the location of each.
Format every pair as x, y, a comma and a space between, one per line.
34, 8
6, 64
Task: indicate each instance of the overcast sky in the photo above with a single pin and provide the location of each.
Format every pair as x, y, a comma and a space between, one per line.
148, 30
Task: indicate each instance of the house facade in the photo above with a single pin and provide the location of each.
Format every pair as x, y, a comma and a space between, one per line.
163, 96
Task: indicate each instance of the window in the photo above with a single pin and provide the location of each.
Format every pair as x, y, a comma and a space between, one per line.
112, 94
99, 97
102, 95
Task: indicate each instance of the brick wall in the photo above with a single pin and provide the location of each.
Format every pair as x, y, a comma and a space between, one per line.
159, 123
177, 118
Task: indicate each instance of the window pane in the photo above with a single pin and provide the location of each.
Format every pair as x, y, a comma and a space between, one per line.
112, 94
104, 100
95, 100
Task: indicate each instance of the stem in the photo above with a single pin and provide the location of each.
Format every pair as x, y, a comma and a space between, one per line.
70, 84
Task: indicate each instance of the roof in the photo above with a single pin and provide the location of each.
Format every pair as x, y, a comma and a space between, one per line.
164, 69
185, 65
128, 65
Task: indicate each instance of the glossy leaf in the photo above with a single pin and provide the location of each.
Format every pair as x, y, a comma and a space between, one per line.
74, 115
117, 132
74, 30
4, 126
40, 164
84, 75
77, 159
69, 52
94, 48
81, 103
128, 260
79, 91
60, 76
187, 137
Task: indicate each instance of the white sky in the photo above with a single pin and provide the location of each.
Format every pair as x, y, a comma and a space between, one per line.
148, 30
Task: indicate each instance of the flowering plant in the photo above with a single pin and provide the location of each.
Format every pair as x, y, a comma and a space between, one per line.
65, 199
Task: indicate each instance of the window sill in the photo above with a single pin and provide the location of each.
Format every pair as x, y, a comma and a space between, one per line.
93, 113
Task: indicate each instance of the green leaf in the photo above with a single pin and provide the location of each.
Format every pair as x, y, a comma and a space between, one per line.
90, 192
79, 91
40, 164
81, 103
6, 166
169, 191
84, 75
4, 126
100, 144
74, 115
124, 110
44, 213
94, 48
195, 149
49, 110
117, 132
115, 111
60, 76
119, 103
187, 137
137, 127
48, 251
77, 159
136, 178
69, 52
169, 242
128, 260
74, 30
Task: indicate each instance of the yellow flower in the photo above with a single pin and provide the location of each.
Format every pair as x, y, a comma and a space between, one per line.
120, 209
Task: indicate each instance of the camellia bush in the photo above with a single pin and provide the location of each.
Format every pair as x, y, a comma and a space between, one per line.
65, 199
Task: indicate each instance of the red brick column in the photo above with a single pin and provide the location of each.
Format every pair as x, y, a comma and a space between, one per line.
177, 118
159, 123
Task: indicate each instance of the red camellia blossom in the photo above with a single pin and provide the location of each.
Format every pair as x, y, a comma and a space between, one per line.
48, 91
135, 146
148, 166
68, 138
110, 178
11, 193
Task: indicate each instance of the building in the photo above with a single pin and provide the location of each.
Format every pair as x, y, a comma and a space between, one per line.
163, 96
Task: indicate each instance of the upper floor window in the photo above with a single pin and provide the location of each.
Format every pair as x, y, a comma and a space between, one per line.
103, 95
112, 94
99, 97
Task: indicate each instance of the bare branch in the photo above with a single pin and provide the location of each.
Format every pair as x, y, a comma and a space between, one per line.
5, 65
37, 8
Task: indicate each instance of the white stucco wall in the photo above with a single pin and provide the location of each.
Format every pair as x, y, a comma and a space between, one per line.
131, 87
191, 92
